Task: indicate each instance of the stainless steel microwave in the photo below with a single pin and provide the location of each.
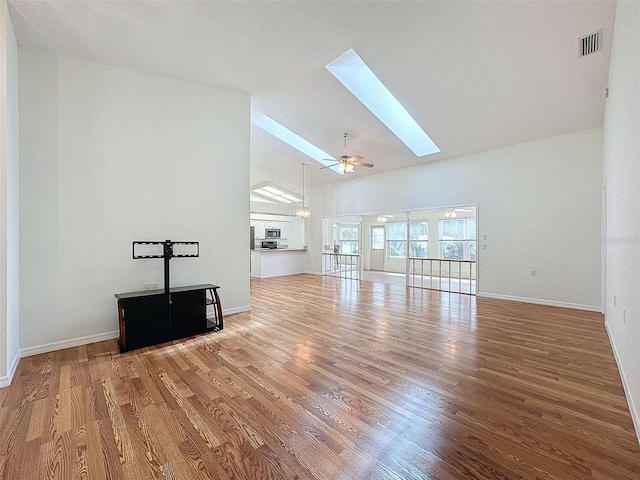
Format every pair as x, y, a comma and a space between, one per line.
272, 233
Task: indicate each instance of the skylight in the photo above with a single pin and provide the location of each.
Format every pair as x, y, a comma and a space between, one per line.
269, 125
276, 193
356, 76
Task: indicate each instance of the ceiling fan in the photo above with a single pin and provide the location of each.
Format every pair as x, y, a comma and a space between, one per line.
451, 212
347, 163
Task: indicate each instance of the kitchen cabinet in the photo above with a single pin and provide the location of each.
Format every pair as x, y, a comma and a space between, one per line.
261, 225
285, 229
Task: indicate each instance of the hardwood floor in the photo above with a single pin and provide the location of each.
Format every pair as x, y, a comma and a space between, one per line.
334, 379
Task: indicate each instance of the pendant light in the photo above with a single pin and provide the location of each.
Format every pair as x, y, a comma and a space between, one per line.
303, 212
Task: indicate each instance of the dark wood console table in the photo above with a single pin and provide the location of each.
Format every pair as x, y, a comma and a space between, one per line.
145, 320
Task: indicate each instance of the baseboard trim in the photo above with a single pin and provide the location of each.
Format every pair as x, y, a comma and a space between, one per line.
73, 342
14, 366
312, 272
6, 380
231, 311
635, 414
537, 301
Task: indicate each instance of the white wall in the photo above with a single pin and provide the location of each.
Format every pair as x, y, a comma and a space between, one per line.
9, 205
539, 203
110, 156
621, 167
272, 207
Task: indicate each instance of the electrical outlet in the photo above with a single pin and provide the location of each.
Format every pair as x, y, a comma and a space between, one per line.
154, 286
532, 273
147, 286
484, 246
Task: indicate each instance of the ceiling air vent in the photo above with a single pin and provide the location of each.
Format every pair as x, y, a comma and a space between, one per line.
591, 43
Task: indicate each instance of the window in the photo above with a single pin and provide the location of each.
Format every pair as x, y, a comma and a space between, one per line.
458, 239
418, 234
397, 239
348, 239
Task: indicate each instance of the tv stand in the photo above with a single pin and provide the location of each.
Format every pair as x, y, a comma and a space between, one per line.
144, 319
151, 317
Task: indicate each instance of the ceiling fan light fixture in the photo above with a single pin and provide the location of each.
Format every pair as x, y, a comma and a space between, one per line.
450, 213
347, 163
382, 218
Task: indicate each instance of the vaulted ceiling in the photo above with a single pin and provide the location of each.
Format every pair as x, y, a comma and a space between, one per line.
475, 75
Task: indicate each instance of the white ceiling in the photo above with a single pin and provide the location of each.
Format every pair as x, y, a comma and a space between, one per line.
475, 75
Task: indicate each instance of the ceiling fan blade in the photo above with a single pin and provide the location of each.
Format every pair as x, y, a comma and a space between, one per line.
329, 166
363, 164
355, 158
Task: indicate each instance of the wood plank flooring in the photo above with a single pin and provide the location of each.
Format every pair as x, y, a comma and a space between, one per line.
333, 379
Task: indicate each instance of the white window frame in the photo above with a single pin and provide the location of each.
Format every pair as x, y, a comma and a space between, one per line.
389, 240
467, 240
342, 241
424, 240
407, 244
